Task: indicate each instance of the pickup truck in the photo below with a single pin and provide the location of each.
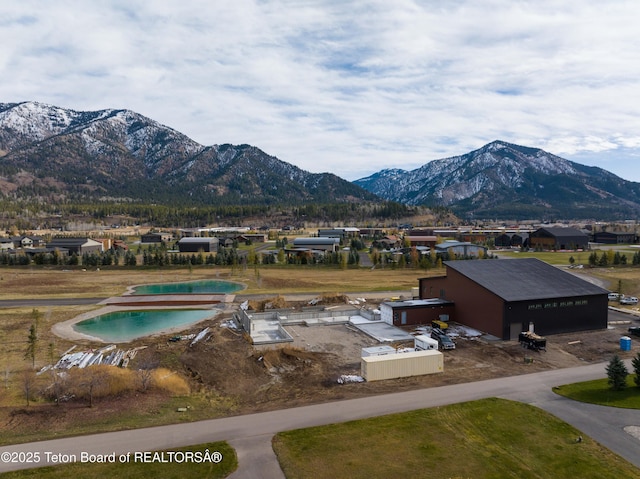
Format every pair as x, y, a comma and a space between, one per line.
444, 341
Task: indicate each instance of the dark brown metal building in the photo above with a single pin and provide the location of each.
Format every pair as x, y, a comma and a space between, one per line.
554, 238
502, 297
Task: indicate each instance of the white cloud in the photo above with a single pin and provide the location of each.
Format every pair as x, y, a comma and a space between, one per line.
346, 87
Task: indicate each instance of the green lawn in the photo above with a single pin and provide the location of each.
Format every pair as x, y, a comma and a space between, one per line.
492, 438
204, 465
551, 257
599, 392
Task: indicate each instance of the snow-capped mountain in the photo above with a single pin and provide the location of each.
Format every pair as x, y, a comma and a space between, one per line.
510, 181
53, 153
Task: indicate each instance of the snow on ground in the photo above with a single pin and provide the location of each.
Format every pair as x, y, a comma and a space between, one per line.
459, 330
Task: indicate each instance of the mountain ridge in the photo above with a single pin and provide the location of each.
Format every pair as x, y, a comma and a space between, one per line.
52, 154
502, 179
62, 154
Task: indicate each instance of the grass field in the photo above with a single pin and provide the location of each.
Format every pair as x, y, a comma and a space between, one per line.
485, 429
551, 257
137, 469
599, 392
25, 283
492, 438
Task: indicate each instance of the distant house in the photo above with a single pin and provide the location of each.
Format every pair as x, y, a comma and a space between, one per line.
253, 237
341, 233
371, 232
120, 244
558, 238
196, 245
388, 242
503, 240
421, 232
319, 243
520, 240
79, 246
422, 240
614, 237
156, 238
473, 236
6, 244
107, 243
512, 240
461, 249
27, 242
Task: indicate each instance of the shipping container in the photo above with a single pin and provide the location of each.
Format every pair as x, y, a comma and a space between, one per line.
401, 365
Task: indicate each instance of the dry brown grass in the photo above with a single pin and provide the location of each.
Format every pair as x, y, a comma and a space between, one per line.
170, 381
27, 283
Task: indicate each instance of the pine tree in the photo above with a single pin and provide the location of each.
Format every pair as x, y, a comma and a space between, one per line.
617, 373
635, 362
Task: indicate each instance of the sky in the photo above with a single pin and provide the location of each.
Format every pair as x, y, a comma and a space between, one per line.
347, 87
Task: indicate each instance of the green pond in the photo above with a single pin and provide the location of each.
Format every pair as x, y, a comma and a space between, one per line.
190, 287
123, 326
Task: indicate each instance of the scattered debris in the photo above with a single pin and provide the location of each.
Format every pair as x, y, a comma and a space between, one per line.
350, 378
229, 323
184, 337
200, 336
83, 359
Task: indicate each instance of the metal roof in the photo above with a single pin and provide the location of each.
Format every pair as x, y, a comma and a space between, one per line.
524, 279
418, 303
73, 242
559, 231
211, 239
316, 241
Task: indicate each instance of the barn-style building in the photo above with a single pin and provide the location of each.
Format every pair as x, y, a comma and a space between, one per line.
555, 238
502, 297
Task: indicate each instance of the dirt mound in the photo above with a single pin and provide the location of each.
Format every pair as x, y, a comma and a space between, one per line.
334, 298
287, 357
272, 303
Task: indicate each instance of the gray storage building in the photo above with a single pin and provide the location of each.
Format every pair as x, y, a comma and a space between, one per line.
554, 237
79, 246
195, 245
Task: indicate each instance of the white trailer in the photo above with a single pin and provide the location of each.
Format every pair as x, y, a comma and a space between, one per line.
424, 343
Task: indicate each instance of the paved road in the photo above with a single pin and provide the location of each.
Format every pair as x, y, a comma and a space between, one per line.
251, 434
17, 303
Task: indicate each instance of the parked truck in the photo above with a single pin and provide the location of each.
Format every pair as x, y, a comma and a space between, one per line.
531, 340
444, 341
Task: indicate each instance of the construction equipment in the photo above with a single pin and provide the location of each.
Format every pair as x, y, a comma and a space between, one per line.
530, 340
439, 324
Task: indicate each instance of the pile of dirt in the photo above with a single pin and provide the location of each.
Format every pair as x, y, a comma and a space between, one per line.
277, 302
334, 298
254, 380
